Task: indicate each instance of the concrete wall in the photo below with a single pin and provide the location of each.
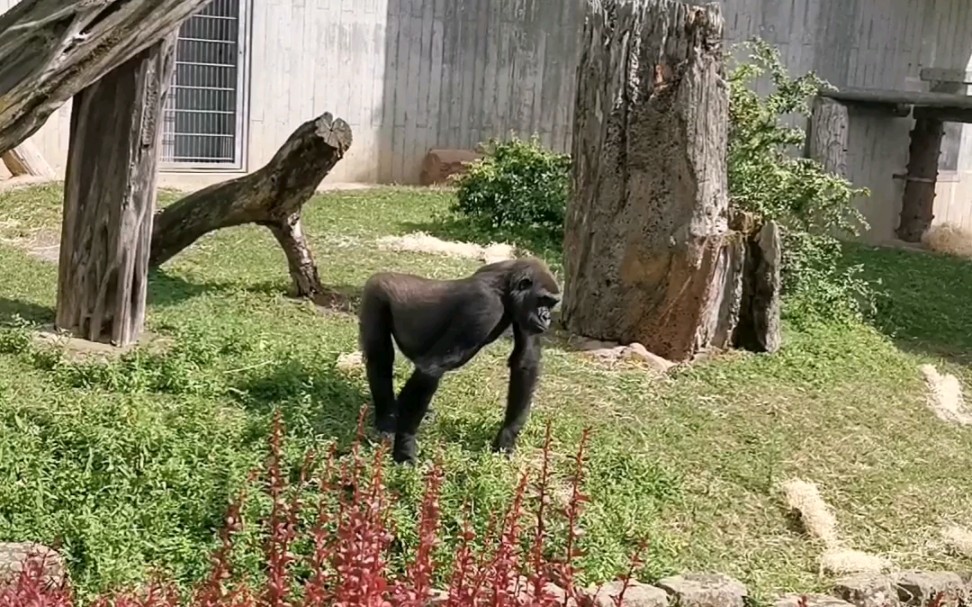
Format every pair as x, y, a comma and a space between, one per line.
413, 74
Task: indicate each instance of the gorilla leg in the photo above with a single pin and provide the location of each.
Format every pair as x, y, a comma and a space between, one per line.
524, 366
413, 404
379, 355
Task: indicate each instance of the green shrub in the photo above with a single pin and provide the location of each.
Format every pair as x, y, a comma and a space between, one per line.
517, 184
812, 206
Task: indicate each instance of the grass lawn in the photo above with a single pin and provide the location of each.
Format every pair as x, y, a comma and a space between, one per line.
130, 466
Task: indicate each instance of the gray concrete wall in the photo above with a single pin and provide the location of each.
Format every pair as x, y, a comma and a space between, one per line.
409, 75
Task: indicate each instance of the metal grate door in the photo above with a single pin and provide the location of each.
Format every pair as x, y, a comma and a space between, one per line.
203, 119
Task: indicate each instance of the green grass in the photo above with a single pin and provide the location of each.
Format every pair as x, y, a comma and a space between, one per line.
129, 466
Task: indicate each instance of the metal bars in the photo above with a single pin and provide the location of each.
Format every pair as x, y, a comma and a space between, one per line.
203, 119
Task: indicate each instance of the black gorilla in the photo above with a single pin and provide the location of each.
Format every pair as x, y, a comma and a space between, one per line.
440, 325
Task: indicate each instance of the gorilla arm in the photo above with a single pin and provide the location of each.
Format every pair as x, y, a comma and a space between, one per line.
524, 364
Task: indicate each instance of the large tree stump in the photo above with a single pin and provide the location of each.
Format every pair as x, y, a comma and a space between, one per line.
272, 196
649, 255
50, 50
918, 203
109, 196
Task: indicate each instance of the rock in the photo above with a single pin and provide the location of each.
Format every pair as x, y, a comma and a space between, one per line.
866, 590
919, 587
704, 590
439, 165
812, 600
636, 595
438, 598
607, 352
638, 351
13, 556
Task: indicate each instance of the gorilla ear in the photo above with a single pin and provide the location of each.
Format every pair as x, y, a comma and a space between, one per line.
524, 284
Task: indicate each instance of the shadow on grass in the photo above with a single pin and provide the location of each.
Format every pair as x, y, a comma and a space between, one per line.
927, 302
170, 290
313, 399
31, 312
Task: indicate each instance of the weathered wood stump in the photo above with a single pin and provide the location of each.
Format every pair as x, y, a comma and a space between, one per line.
649, 254
918, 203
272, 196
50, 51
109, 197
827, 140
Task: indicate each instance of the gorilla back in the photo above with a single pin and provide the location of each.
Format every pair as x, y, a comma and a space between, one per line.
440, 325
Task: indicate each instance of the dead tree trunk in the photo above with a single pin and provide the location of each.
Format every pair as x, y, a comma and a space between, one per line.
649, 255
50, 50
918, 203
109, 196
827, 141
272, 196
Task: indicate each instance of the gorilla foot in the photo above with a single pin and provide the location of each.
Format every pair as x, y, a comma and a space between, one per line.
405, 450
505, 442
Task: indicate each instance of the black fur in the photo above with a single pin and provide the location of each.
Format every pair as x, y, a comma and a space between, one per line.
440, 325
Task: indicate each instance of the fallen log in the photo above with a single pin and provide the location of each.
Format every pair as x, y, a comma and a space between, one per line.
26, 159
52, 49
272, 196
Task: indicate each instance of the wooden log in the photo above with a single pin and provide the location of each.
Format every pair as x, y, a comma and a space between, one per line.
52, 49
109, 198
648, 251
26, 159
827, 143
272, 196
918, 202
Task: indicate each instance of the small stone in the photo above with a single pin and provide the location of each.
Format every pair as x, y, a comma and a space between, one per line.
919, 587
14, 555
439, 165
636, 595
704, 590
812, 600
636, 350
866, 590
437, 598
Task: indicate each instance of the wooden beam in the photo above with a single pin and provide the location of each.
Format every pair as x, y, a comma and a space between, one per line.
26, 159
109, 199
918, 203
889, 97
50, 50
827, 143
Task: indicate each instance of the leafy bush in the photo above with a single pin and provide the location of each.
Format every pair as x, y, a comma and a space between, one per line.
517, 184
812, 206
337, 552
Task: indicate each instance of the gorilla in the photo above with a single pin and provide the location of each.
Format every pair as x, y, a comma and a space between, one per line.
440, 325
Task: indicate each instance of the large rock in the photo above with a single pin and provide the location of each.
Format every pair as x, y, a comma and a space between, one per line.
439, 165
919, 587
636, 595
812, 600
704, 590
14, 555
866, 590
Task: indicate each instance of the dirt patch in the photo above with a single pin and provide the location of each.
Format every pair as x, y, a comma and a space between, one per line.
22, 181
819, 521
420, 242
945, 397
958, 540
82, 350
948, 238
